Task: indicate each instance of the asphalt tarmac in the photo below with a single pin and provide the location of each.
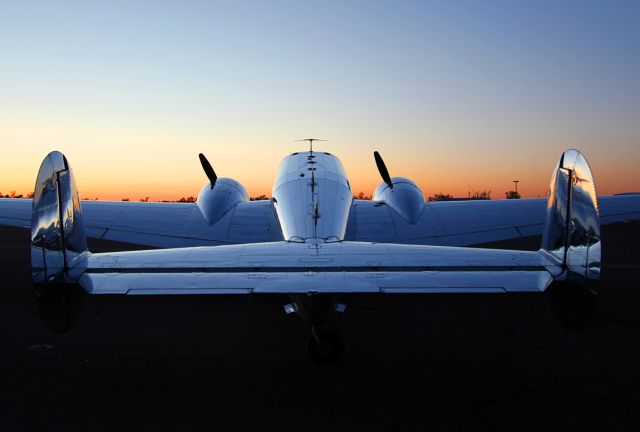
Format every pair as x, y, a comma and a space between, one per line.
472, 363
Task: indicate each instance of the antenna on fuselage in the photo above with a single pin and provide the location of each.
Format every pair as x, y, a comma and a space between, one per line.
311, 140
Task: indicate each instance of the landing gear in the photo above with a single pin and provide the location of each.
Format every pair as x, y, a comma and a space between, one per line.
325, 347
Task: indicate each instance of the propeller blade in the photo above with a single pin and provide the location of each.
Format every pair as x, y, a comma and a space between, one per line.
382, 168
208, 170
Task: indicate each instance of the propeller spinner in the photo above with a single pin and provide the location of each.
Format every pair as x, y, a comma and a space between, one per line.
208, 170
382, 168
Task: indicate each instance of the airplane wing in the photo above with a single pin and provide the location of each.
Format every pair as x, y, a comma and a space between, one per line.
445, 223
162, 224
15, 212
283, 267
463, 223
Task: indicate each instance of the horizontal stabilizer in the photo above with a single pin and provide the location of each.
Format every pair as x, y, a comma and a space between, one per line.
282, 267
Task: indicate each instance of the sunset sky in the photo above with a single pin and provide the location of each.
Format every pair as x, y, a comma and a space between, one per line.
456, 95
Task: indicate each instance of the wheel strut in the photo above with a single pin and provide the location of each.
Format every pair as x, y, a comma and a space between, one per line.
325, 346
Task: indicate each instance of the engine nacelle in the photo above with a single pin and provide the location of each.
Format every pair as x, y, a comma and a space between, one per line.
225, 195
405, 198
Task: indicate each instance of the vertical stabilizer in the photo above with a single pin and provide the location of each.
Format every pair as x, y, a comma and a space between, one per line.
572, 228
572, 237
57, 243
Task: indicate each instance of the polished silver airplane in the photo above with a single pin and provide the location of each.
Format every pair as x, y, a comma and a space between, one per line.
312, 241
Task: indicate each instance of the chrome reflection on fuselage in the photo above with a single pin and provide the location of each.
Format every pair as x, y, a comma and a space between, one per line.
573, 228
312, 197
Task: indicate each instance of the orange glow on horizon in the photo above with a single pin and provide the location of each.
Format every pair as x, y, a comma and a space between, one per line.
164, 165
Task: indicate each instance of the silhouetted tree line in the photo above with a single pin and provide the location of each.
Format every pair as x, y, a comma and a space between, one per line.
192, 199
13, 194
477, 195
441, 197
362, 196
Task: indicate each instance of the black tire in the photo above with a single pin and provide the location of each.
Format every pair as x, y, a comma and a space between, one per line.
329, 348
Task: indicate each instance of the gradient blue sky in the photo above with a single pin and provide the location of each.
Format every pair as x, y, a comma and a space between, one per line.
455, 95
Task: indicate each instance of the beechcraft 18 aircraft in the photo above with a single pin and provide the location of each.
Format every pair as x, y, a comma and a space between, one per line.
312, 241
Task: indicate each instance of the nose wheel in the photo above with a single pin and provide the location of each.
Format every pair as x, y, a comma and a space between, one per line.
325, 347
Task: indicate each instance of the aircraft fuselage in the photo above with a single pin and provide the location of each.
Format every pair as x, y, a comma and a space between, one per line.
312, 197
